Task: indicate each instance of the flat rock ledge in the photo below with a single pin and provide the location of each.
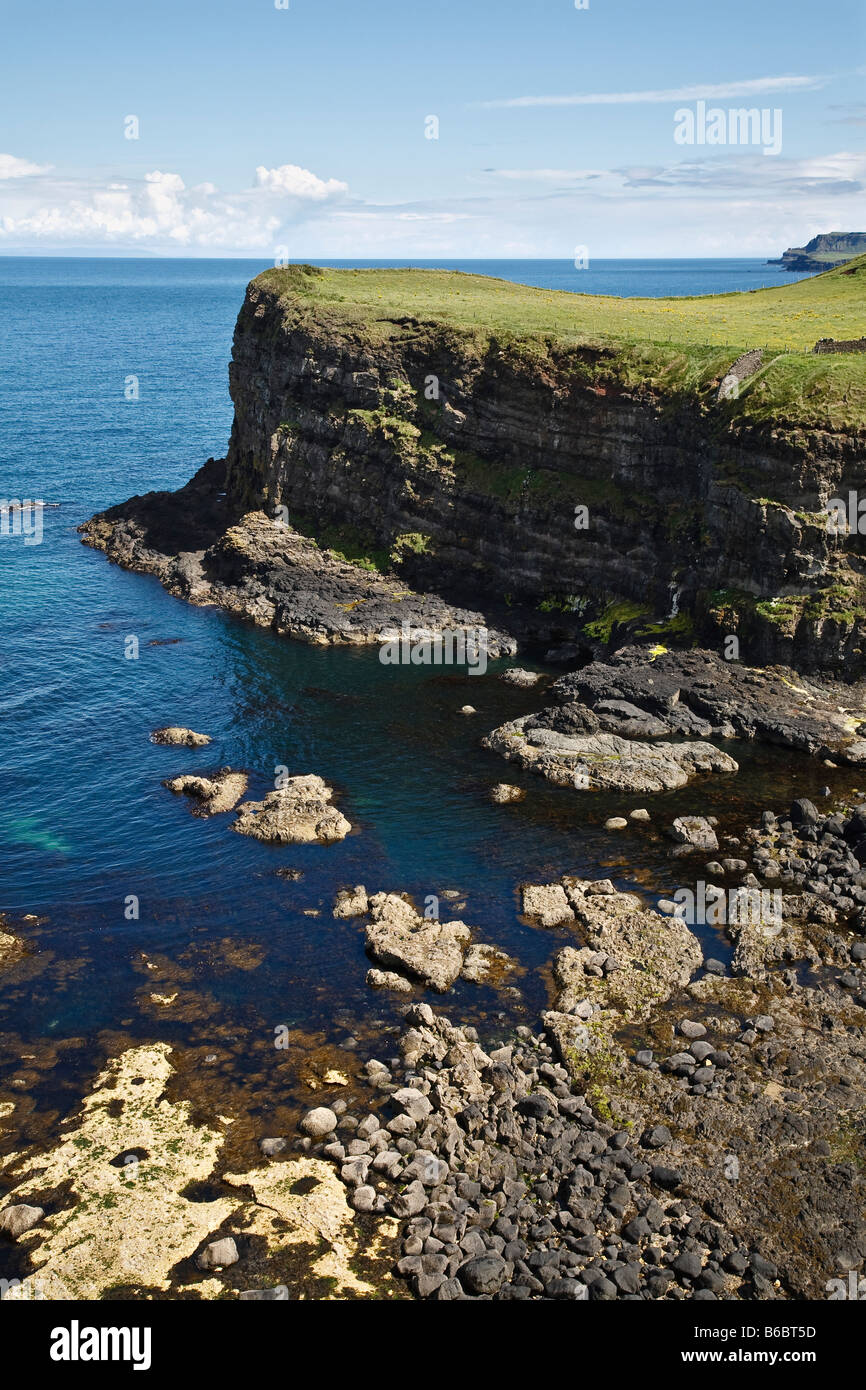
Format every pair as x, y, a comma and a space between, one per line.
298, 813
206, 550
698, 694
546, 744
211, 796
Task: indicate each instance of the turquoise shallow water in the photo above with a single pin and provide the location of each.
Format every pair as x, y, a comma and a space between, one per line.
84, 819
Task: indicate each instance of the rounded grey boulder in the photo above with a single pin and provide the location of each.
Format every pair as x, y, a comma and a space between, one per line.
317, 1123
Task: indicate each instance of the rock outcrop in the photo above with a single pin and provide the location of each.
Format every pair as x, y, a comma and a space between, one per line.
211, 796
297, 813
175, 736
426, 949
591, 762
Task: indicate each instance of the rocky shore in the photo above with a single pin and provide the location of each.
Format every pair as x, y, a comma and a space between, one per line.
673, 1131
262, 569
608, 724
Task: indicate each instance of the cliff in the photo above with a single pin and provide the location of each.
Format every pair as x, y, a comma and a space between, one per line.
469, 439
823, 252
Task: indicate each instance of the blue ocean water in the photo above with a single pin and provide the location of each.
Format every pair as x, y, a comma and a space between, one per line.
85, 823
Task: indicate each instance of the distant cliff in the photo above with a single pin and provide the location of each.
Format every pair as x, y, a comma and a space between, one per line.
823, 252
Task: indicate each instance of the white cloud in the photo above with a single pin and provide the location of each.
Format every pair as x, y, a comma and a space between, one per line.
754, 86
13, 168
298, 182
159, 211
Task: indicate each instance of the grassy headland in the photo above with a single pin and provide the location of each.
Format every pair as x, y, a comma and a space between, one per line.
669, 345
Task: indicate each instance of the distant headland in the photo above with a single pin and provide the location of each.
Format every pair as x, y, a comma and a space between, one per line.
823, 252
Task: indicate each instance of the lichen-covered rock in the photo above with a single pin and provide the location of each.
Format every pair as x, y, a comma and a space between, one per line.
693, 833
298, 813
485, 964
633, 958
547, 904
351, 902
388, 979
601, 761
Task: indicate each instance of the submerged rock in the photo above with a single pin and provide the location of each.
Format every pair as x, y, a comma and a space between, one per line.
505, 792
517, 675
485, 964
297, 813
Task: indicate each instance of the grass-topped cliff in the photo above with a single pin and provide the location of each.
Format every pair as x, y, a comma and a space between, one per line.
565, 463
666, 345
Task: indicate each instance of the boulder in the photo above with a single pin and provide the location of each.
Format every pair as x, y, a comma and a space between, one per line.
319, 1122
219, 1254
17, 1220
693, 833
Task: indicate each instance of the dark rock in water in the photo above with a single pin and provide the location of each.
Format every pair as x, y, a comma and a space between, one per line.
803, 812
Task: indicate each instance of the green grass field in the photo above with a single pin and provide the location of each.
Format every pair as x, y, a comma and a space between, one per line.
831, 305
672, 345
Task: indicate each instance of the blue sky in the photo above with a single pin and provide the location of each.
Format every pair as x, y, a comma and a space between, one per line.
301, 131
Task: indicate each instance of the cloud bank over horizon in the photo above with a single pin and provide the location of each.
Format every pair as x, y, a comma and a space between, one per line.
288, 211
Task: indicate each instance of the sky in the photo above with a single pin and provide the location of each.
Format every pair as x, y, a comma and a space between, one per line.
314, 129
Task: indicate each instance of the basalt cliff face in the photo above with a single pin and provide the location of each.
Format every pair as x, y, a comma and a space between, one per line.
470, 460
527, 479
